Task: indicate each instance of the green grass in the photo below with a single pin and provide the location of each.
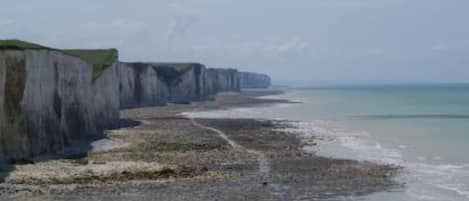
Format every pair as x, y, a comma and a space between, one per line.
100, 59
19, 44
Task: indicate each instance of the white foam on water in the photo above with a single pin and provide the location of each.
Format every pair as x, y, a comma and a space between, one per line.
333, 141
452, 178
424, 181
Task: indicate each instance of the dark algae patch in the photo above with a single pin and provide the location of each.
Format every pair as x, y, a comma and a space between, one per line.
140, 68
198, 71
14, 87
167, 74
57, 99
180, 67
150, 146
175, 146
100, 59
171, 73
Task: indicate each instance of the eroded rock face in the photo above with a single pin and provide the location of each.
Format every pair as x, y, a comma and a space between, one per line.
185, 84
254, 80
105, 98
45, 102
151, 84
220, 80
140, 86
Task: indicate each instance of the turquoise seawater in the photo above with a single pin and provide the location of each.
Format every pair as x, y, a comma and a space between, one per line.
423, 128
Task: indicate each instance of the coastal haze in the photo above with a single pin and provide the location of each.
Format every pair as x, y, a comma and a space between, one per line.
318, 41
234, 100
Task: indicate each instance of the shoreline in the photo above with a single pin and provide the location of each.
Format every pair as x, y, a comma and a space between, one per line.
199, 159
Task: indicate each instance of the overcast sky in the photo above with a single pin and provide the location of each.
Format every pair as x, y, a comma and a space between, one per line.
310, 40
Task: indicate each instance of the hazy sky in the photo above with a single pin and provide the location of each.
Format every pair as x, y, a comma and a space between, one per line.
314, 40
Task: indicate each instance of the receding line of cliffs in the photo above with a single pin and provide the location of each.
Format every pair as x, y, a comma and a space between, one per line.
53, 98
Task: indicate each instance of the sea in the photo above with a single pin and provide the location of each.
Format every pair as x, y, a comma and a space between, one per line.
424, 128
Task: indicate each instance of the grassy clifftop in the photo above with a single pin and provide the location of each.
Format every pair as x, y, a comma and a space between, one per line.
19, 44
100, 59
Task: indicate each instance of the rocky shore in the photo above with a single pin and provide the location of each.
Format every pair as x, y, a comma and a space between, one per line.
157, 154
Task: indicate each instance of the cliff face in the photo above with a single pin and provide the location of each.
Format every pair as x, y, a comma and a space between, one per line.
254, 80
140, 85
104, 95
185, 81
219, 80
151, 84
105, 98
211, 81
51, 98
44, 101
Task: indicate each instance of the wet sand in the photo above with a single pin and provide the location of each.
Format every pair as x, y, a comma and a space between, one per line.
170, 157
